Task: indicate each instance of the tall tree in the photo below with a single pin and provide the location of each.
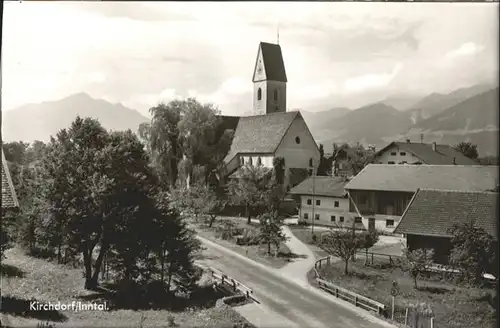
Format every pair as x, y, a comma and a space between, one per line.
250, 188
468, 149
323, 166
473, 252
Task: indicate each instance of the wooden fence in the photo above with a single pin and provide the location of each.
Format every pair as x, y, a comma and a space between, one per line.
342, 293
371, 256
227, 282
351, 297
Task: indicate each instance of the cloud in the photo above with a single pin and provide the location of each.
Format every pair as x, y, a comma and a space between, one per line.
465, 50
142, 53
369, 82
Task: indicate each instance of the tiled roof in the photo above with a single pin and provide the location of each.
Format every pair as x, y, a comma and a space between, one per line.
443, 155
434, 212
323, 186
9, 198
273, 62
409, 178
297, 175
260, 134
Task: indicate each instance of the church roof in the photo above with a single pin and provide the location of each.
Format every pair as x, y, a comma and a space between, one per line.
260, 134
273, 62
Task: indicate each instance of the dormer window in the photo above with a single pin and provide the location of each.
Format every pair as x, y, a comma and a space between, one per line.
259, 94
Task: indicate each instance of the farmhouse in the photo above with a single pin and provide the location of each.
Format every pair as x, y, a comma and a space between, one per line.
380, 193
9, 198
429, 218
324, 200
271, 131
421, 153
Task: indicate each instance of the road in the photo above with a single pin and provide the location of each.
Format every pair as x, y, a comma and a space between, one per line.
304, 306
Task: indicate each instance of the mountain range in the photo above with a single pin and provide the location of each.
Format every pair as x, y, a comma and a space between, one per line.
466, 114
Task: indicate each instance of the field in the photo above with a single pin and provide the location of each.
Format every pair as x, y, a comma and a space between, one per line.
453, 306
257, 253
26, 279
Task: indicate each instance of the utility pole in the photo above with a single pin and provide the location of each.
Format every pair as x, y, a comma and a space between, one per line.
313, 200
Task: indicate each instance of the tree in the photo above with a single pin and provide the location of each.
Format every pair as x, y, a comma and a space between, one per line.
473, 252
368, 239
468, 149
187, 131
250, 188
360, 158
341, 243
323, 166
271, 232
416, 262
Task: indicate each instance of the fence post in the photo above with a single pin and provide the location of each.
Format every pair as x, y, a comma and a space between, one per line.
372, 258
406, 317
328, 260
432, 322
355, 301
390, 260
222, 279
336, 292
392, 315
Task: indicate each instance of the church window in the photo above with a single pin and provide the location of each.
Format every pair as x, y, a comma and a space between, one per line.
259, 161
297, 140
259, 94
250, 162
310, 162
276, 95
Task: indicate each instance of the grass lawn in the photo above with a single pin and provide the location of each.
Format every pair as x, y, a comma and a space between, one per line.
453, 306
255, 252
26, 278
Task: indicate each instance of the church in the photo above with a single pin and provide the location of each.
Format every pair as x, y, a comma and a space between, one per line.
271, 131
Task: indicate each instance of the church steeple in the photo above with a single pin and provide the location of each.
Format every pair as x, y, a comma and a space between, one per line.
269, 79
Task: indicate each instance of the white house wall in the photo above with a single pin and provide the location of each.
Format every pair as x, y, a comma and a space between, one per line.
386, 157
298, 155
326, 210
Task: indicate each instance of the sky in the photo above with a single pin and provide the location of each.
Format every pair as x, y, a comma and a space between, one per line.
336, 54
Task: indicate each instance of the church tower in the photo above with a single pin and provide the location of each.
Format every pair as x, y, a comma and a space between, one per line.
269, 80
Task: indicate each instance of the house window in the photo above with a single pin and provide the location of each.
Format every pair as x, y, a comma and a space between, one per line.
309, 202
390, 162
341, 219
310, 162
318, 202
402, 153
316, 216
242, 160
332, 218
250, 162
259, 161
276, 95
393, 154
259, 94
306, 216
297, 140
358, 219
389, 223
336, 204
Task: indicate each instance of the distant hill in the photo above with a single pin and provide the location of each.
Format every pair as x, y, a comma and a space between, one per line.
401, 102
318, 119
366, 125
474, 119
435, 103
40, 121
